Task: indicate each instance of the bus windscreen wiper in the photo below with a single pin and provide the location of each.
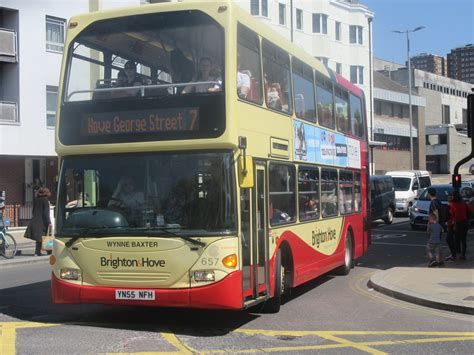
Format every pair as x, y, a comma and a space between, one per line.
87, 232
167, 231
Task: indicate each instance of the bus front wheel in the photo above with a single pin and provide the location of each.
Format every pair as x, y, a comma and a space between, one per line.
273, 304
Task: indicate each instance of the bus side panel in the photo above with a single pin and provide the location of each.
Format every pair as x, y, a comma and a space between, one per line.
308, 263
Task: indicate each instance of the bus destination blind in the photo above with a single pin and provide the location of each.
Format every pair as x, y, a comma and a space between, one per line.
136, 122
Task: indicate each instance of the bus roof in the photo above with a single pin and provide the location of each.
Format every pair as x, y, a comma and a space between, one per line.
83, 20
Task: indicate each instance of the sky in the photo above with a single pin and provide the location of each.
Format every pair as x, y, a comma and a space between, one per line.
449, 24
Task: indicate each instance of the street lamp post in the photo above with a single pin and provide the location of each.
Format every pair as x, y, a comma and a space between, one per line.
409, 89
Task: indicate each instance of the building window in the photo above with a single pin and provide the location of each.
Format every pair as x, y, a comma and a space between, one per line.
324, 60
357, 74
446, 116
355, 34
339, 68
51, 102
255, 7
299, 19
282, 14
320, 23
55, 34
338, 31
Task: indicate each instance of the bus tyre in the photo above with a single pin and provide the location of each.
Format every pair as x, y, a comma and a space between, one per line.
273, 304
346, 268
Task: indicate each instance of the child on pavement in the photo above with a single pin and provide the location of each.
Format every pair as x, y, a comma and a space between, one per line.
433, 248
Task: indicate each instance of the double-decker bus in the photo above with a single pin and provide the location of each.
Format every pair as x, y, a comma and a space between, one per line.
205, 161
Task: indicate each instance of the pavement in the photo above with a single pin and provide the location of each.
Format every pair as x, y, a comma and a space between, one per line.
449, 288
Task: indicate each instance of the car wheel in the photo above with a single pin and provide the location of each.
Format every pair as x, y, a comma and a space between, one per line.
389, 218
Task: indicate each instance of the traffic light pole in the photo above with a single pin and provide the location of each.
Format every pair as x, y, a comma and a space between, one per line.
470, 133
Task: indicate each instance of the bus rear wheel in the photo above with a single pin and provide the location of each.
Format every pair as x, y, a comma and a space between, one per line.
348, 253
273, 304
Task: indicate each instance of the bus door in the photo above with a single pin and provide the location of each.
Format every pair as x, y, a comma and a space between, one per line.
255, 248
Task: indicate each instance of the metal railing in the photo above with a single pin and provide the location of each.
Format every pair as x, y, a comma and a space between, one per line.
18, 214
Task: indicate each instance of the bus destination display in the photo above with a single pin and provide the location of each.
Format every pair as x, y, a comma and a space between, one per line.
146, 121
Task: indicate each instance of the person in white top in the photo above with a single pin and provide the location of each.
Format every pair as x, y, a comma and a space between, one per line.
205, 66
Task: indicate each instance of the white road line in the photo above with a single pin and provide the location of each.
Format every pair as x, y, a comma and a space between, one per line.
402, 244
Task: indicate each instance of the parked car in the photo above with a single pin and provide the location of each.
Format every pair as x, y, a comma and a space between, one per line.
420, 209
382, 198
408, 184
468, 183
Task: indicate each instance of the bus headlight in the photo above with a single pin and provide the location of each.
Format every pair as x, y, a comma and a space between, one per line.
204, 275
230, 261
70, 274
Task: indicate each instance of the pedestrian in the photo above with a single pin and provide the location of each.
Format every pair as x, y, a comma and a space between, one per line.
459, 212
450, 236
41, 222
438, 208
433, 247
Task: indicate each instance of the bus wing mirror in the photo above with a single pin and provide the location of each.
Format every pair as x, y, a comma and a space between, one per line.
246, 171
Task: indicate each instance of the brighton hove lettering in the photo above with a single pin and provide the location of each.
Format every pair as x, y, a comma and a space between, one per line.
123, 262
319, 237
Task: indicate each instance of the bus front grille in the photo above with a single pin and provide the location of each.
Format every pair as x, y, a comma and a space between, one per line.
136, 276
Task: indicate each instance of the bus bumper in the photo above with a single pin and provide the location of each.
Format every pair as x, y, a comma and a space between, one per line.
224, 294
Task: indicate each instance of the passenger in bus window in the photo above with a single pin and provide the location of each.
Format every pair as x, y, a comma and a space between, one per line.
130, 70
273, 96
181, 68
121, 79
205, 67
243, 79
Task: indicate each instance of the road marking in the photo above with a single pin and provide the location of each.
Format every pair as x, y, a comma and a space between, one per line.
352, 344
401, 244
8, 339
388, 236
178, 344
8, 334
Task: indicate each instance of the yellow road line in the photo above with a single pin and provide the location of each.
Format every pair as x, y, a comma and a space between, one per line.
8, 334
178, 344
351, 344
7, 341
345, 332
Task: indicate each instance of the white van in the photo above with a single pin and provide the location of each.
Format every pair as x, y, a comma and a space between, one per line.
407, 185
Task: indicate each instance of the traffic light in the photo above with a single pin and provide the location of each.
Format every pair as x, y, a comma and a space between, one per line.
457, 181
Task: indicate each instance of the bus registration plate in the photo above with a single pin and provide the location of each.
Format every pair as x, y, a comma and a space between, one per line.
135, 295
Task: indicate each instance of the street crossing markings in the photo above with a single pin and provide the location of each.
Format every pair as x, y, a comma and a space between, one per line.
8, 339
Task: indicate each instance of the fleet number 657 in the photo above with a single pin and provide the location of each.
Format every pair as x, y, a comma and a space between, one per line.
209, 261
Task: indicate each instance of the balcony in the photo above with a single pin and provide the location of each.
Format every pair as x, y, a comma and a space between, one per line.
8, 46
8, 112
